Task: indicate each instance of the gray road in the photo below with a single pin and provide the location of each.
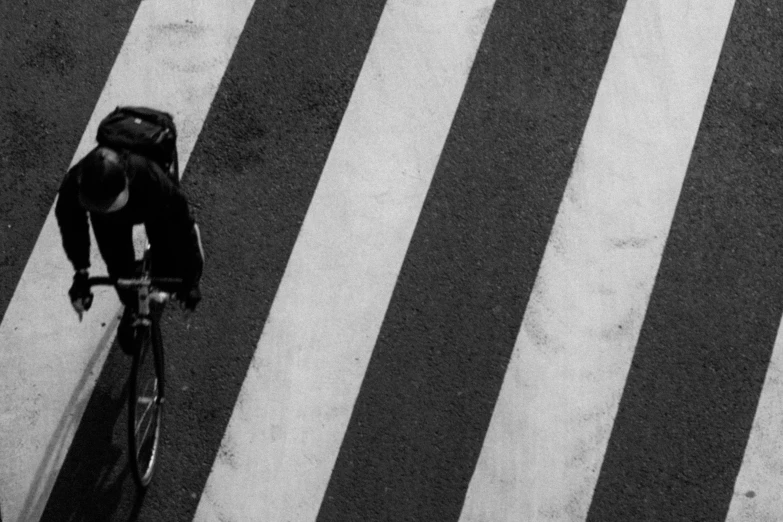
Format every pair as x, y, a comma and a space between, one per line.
424, 407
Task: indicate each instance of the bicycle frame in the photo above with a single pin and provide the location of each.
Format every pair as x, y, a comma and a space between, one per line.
147, 389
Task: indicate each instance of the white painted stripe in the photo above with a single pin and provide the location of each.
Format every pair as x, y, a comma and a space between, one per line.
758, 490
550, 427
173, 57
292, 412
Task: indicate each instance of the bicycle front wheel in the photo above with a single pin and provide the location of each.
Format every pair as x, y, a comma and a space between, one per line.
145, 404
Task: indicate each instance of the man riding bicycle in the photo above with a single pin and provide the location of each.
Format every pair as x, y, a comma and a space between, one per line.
120, 188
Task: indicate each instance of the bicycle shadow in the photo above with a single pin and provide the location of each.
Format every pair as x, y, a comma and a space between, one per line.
95, 483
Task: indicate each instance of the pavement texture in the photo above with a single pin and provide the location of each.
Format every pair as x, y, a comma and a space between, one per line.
428, 395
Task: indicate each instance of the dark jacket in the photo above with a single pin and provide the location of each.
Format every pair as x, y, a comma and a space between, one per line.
155, 201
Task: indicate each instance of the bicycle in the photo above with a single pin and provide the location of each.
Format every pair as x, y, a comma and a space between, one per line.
147, 376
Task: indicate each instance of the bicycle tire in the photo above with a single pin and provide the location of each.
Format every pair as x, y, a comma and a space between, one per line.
145, 404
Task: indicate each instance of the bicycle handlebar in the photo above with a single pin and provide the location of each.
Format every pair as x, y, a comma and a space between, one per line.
132, 282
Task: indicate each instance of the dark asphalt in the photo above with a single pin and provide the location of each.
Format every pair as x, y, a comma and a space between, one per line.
427, 397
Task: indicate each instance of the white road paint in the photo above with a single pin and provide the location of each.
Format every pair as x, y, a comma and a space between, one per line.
292, 412
173, 57
758, 490
550, 427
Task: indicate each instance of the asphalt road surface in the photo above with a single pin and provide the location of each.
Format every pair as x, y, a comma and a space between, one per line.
467, 260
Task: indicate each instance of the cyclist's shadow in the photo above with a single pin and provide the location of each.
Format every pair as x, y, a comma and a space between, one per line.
95, 482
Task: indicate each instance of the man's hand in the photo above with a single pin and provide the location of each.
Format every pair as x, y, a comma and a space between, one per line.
81, 297
190, 297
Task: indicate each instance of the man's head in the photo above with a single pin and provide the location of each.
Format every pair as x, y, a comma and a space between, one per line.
103, 183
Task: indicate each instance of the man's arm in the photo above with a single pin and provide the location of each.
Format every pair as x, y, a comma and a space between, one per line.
72, 219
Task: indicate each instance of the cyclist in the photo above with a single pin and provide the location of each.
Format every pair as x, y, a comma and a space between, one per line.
119, 189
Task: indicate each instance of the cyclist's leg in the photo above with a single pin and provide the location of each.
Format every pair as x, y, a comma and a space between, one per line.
166, 252
126, 333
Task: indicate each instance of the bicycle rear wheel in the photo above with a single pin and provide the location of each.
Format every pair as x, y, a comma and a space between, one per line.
145, 404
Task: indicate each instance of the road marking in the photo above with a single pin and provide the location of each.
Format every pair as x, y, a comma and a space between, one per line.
291, 414
551, 424
688, 405
758, 490
427, 396
173, 57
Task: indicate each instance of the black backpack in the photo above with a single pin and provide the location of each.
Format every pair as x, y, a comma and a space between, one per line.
148, 132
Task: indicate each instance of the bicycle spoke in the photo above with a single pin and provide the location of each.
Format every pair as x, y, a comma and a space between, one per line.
143, 441
140, 421
149, 402
148, 399
141, 418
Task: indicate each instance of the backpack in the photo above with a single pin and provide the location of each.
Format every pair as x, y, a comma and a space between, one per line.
141, 130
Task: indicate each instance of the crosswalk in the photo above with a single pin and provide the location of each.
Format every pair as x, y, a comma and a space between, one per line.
589, 300
344, 265
475, 260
